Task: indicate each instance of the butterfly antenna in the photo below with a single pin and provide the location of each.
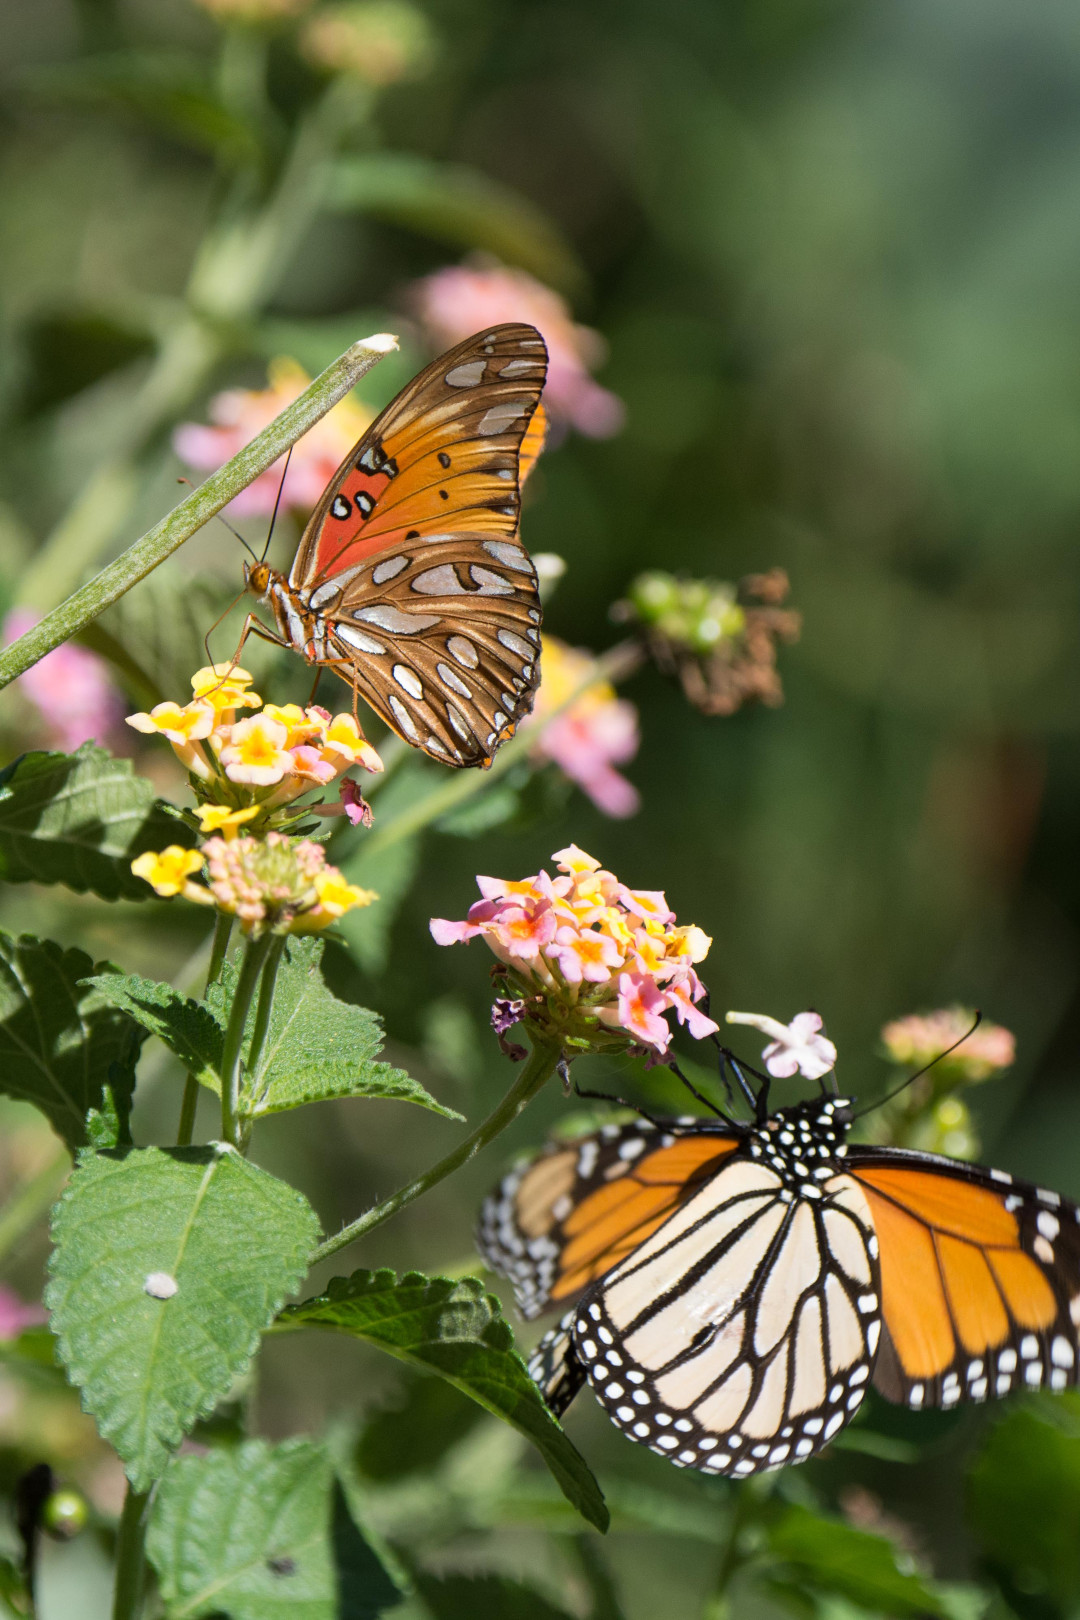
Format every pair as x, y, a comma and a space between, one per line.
277, 504
219, 620
603, 1096
234, 532
694, 1092
889, 1095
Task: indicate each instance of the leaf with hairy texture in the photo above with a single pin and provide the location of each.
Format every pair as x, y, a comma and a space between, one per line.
63, 1047
187, 1027
80, 819
260, 1531
317, 1047
168, 1266
455, 1329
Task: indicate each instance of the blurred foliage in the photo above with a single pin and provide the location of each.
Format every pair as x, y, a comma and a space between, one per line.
833, 250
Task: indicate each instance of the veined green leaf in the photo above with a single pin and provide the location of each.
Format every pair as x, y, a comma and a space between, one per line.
62, 1045
260, 1531
168, 1265
80, 819
455, 1329
317, 1047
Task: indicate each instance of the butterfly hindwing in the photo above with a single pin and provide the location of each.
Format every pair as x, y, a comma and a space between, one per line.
980, 1278
742, 1334
553, 1226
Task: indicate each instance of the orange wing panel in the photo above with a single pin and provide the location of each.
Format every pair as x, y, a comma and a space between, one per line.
949, 1205
1030, 1297
973, 1295
912, 1298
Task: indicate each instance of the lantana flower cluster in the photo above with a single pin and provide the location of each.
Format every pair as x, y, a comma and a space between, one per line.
586, 962
251, 768
272, 884
929, 1113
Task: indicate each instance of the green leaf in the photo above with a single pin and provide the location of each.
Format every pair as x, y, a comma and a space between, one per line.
1024, 1505
455, 1329
834, 1557
484, 1597
233, 1239
62, 1046
458, 205
261, 1531
80, 819
187, 1027
414, 1434
317, 1047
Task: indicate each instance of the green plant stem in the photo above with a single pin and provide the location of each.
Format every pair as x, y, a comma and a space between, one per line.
262, 1013
190, 1103
537, 1070
168, 535
31, 1201
255, 954
131, 1555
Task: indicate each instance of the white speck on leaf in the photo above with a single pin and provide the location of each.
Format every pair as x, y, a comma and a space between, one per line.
159, 1285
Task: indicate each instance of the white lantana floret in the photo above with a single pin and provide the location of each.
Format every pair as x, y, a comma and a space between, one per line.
795, 1048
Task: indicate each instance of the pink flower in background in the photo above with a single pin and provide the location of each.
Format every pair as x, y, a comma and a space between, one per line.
924, 1038
15, 1314
241, 413
69, 687
463, 299
590, 736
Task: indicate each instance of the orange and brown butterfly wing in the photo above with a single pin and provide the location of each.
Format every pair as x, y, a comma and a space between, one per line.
980, 1278
412, 560
558, 1224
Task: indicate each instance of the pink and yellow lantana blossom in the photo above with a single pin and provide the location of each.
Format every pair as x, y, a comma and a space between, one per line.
269, 884
594, 964
256, 765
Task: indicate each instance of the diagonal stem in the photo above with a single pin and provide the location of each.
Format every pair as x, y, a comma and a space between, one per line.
537, 1070
255, 954
168, 535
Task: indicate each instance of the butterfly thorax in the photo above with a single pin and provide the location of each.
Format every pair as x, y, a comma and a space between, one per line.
300, 624
804, 1144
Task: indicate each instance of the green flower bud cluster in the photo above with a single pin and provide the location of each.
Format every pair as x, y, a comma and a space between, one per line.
692, 613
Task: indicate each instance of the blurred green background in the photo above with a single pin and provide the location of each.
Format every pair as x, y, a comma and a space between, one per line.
834, 249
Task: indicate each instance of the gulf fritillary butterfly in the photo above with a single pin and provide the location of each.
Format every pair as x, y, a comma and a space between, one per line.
410, 581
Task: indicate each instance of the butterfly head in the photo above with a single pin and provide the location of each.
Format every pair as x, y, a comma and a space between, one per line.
257, 577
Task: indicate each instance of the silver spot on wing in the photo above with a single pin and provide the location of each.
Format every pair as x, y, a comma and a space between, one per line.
454, 682
490, 584
356, 638
462, 649
501, 417
402, 715
440, 581
398, 623
515, 644
509, 555
388, 569
459, 722
466, 376
408, 680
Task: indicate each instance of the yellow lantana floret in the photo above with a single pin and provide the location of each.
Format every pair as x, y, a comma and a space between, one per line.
344, 738
181, 724
256, 752
218, 818
225, 686
168, 871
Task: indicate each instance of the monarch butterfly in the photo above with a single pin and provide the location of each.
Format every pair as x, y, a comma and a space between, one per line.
410, 581
738, 1285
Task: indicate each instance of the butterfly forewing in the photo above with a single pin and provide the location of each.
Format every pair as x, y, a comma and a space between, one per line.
980, 1277
428, 603
554, 1226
